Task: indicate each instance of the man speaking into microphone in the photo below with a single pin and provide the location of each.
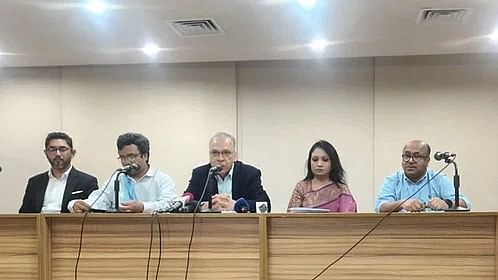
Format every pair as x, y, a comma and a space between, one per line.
142, 189
437, 194
230, 179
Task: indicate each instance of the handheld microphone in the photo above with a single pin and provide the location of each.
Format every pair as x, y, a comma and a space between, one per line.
128, 168
180, 202
241, 206
443, 155
215, 169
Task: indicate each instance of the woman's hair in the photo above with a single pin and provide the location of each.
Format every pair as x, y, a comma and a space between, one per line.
337, 174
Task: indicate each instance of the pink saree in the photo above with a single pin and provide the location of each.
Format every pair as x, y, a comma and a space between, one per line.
336, 198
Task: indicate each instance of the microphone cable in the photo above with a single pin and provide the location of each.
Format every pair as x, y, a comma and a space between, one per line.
377, 225
156, 216
193, 223
83, 225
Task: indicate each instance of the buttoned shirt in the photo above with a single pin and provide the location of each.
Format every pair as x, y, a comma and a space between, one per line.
156, 190
52, 202
399, 187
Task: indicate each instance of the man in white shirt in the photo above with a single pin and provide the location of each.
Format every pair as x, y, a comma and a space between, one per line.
50, 192
142, 189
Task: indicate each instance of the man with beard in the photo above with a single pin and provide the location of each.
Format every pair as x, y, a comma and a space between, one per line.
438, 194
234, 181
51, 191
143, 189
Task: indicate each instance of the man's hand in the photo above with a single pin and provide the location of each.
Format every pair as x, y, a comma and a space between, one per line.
132, 207
80, 206
222, 202
413, 205
437, 203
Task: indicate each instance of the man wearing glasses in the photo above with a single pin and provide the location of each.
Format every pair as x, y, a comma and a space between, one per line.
235, 180
143, 189
438, 194
51, 191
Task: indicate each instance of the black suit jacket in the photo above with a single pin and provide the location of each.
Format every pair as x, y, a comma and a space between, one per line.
37, 185
246, 183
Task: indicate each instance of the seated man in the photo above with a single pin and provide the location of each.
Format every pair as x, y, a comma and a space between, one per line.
235, 180
51, 191
142, 190
439, 194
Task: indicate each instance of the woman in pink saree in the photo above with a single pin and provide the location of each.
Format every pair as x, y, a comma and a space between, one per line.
324, 185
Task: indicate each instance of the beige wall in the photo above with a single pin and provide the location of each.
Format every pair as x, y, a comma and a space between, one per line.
284, 107
368, 109
449, 101
177, 107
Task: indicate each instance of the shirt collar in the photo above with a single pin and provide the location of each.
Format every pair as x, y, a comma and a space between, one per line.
64, 175
419, 180
150, 173
229, 174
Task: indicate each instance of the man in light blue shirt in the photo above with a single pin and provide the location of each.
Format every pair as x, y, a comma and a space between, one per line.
142, 190
438, 194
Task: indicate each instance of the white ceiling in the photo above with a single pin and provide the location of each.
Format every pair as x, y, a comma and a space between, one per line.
53, 32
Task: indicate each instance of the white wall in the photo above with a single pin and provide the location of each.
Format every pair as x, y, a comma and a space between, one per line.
367, 109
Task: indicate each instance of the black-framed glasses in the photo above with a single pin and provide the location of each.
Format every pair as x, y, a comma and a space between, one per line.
416, 158
128, 157
224, 154
53, 150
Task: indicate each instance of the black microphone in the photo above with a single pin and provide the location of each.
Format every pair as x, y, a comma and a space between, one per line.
128, 168
181, 201
215, 169
0, 169
443, 155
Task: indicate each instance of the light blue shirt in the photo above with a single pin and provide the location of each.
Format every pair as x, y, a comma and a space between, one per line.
225, 184
398, 187
156, 190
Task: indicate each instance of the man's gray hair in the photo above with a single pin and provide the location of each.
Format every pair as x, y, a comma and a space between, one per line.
223, 136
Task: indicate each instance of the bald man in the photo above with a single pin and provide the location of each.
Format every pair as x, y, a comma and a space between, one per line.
439, 194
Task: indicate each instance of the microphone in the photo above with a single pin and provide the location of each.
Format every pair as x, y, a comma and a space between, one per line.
128, 168
0, 169
215, 169
180, 202
443, 155
241, 206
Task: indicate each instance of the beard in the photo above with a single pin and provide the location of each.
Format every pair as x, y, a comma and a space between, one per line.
59, 163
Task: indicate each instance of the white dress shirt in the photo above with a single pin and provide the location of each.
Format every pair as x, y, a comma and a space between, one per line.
52, 202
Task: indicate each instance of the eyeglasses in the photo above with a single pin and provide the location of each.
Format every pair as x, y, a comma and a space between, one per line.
224, 154
416, 158
53, 150
129, 157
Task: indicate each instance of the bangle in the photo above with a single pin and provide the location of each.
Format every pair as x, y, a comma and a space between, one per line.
449, 202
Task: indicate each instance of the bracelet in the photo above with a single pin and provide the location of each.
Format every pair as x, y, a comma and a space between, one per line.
449, 202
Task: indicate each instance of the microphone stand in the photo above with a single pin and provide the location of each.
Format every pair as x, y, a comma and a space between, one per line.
208, 188
456, 183
116, 191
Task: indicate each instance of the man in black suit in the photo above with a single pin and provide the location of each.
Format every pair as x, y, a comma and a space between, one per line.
51, 191
234, 181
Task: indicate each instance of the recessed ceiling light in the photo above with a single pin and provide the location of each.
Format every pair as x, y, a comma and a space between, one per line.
494, 36
318, 45
307, 4
151, 49
96, 6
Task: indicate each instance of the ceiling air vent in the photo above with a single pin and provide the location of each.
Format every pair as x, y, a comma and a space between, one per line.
443, 16
196, 27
